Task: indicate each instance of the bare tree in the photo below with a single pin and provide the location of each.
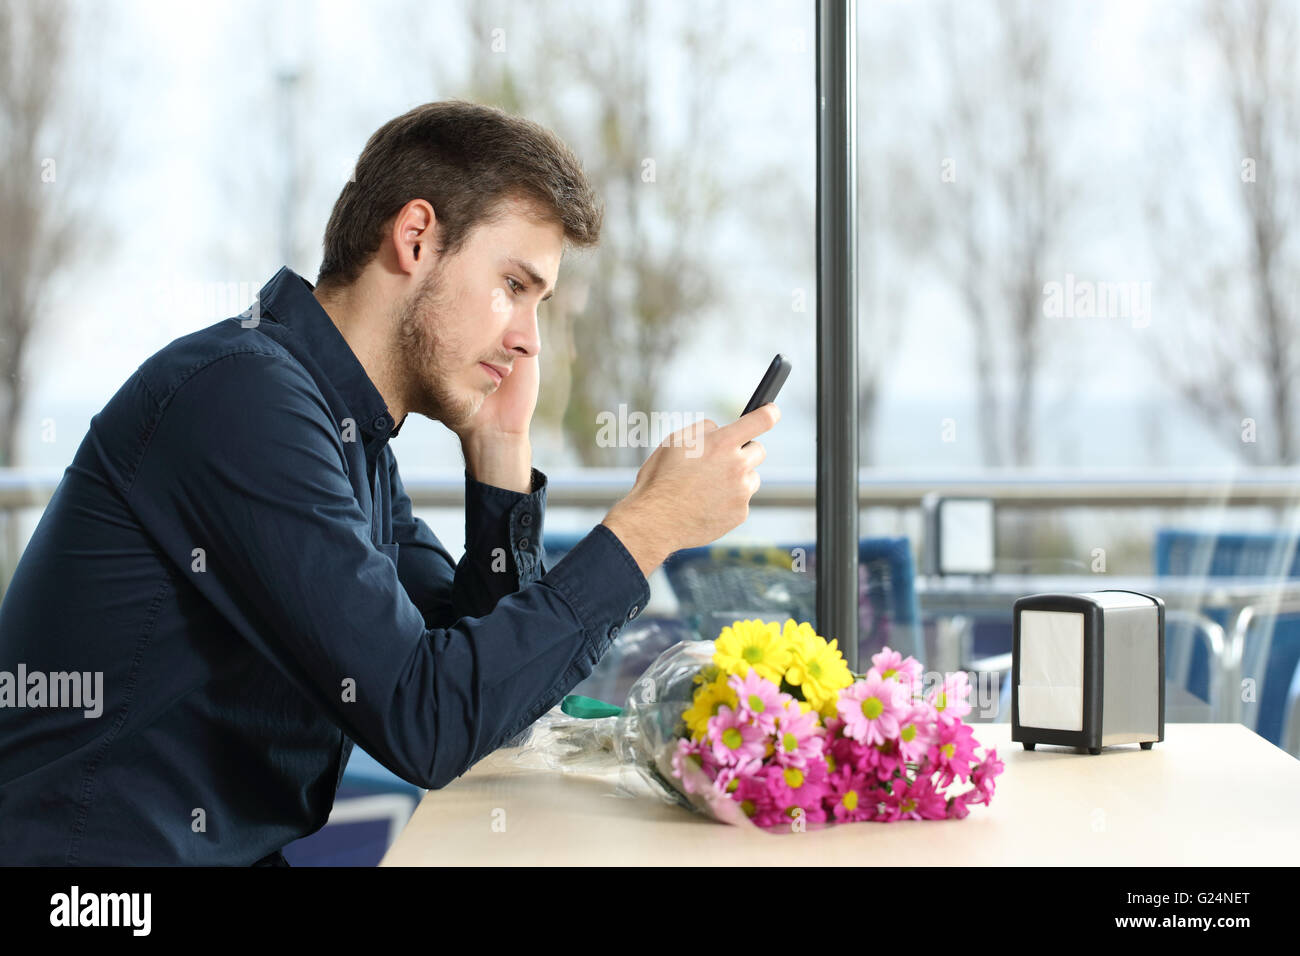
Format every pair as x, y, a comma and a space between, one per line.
621, 313
894, 228
1241, 313
50, 152
276, 172
1004, 199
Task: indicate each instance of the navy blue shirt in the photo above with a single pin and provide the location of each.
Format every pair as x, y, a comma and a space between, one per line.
233, 553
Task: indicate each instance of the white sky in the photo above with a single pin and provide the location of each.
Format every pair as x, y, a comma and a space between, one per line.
190, 85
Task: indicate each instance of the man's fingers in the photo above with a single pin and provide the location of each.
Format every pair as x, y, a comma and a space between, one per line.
688, 433
754, 453
750, 426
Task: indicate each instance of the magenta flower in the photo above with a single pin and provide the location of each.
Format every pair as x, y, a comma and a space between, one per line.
917, 801
983, 774
870, 709
851, 796
959, 806
798, 787
888, 761
951, 700
847, 752
754, 797
732, 738
728, 778
759, 700
952, 751
799, 739
931, 804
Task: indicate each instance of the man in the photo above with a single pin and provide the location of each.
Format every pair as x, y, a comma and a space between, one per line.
233, 556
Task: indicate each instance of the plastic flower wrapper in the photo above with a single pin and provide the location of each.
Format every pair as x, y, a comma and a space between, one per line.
767, 728
567, 743
647, 732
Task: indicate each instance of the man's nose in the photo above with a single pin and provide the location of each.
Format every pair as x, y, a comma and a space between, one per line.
527, 335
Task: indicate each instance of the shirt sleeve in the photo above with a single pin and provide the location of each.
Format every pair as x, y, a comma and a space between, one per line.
243, 484
503, 531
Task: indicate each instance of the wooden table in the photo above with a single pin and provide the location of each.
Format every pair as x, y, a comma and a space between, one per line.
1209, 794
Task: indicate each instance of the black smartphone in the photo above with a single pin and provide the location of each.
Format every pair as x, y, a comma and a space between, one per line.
768, 388
770, 385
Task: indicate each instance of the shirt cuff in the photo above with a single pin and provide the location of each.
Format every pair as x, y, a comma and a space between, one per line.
497, 517
605, 586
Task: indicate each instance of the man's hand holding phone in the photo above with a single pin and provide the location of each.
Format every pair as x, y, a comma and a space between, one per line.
696, 485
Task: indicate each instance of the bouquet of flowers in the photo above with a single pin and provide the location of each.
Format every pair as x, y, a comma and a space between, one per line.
767, 726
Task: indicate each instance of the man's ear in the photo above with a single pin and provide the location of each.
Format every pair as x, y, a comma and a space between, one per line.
414, 223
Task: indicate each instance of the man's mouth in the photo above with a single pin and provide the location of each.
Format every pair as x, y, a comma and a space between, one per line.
498, 375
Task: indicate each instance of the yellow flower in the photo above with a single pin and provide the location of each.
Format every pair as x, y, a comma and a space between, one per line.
752, 644
708, 698
705, 675
816, 667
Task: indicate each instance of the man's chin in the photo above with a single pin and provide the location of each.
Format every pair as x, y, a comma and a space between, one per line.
461, 418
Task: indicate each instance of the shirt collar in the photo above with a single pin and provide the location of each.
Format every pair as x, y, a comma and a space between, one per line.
288, 298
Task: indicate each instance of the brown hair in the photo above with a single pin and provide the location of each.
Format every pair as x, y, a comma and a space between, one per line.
467, 161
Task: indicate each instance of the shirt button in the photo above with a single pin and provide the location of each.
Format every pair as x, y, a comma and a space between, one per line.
381, 423
526, 519
523, 544
636, 609
613, 631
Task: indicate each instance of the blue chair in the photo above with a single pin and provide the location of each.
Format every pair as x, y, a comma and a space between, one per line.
370, 808
556, 544
1291, 731
1272, 648
641, 640
716, 584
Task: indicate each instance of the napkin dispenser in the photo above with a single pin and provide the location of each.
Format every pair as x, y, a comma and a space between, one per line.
1088, 670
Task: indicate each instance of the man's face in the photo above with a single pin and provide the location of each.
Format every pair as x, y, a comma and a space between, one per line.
478, 306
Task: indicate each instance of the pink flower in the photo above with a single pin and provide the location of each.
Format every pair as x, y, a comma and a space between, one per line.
799, 788
952, 751
799, 739
870, 709
732, 738
759, 700
851, 796
687, 750
914, 733
754, 797
959, 806
983, 774
919, 801
951, 700
887, 760
848, 753
728, 778
890, 663
931, 804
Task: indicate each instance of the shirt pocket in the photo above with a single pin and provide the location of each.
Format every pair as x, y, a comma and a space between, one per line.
391, 550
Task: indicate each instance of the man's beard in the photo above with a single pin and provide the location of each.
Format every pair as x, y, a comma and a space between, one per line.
423, 353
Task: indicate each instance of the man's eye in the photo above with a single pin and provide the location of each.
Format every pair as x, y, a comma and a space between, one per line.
513, 283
